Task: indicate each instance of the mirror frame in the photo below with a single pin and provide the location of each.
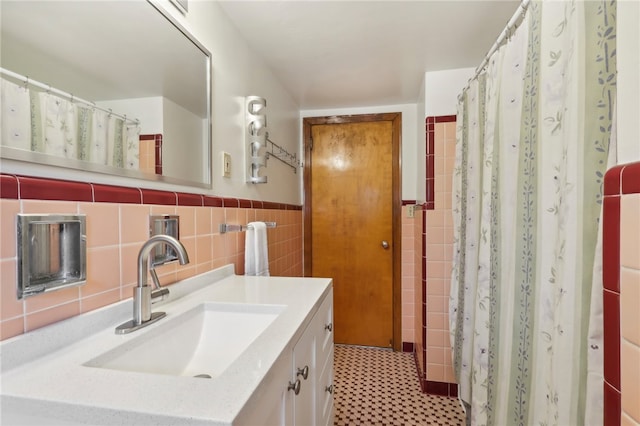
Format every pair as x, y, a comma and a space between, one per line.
39, 158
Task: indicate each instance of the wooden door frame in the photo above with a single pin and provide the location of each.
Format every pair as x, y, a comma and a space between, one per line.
396, 183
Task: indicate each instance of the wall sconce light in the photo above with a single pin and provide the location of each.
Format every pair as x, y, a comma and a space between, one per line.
256, 138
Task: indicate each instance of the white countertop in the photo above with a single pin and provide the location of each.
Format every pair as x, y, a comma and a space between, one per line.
43, 375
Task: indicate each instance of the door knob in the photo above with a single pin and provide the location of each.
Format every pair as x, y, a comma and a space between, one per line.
385, 245
295, 386
304, 372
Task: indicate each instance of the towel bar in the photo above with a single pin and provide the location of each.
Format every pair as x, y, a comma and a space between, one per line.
239, 228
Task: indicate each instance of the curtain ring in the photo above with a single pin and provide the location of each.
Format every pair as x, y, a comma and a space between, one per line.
49, 89
26, 82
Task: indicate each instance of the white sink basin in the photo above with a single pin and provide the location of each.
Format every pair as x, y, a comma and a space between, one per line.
203, 341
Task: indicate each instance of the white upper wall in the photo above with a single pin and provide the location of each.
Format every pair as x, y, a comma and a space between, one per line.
409, 158
421, 149
237, 72
443, 87
441, 90
628, 97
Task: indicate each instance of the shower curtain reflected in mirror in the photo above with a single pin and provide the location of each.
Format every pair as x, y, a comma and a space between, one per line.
533, 144
43, 122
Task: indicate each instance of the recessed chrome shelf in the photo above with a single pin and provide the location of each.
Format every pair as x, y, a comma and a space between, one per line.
52, 252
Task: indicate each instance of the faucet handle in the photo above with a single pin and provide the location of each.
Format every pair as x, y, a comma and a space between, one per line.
154, 277
159, 295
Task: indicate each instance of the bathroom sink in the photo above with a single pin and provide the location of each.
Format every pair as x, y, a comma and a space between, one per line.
201, 342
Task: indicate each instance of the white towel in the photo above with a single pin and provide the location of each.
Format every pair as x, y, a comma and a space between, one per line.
256, 254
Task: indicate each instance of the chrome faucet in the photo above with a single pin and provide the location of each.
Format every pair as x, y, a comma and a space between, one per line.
142, 294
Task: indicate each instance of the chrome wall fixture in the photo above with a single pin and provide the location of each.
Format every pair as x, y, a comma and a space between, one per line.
224, 227
259, 147
256, 138
52, 252
164, 224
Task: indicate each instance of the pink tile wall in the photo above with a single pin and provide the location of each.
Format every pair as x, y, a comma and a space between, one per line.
439, 250
116, 231
409, 226
420, 297
621, 295
629, 312
433, 247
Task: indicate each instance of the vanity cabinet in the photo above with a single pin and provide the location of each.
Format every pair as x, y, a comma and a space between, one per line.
73, 371
299, 388
313, 368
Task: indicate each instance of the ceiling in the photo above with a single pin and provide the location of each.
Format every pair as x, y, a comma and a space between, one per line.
333, 54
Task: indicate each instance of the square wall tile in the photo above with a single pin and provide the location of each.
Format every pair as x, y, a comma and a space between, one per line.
203, 221
102, 219
187, 221
611, 324
629, 305
630, 231
129, 265
9, 210
612, 407
45, 207
103, 270
161, 209
611, 243
630, 379
10, 306
134, 223
12, 327
50, 299
628, 421
96, 301
52, 315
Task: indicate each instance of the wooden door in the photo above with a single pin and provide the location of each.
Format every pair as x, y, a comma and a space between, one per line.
351, 182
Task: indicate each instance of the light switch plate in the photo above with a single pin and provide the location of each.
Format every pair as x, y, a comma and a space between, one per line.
226, 164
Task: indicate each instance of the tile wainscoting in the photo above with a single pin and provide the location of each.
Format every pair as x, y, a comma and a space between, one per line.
621, 295
117, 226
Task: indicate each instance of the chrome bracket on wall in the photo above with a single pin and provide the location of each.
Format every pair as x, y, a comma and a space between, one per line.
52, 252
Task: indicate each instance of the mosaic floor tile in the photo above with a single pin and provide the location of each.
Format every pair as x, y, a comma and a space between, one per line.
380, 387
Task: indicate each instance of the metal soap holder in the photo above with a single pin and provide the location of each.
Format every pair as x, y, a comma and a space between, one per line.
52, 252
164, 225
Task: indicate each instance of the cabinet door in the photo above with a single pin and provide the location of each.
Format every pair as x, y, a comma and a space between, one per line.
304, 365
324, 392
272, 402
323, 325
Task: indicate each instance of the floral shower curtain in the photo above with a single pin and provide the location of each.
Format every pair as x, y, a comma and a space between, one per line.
533, 141
44, 122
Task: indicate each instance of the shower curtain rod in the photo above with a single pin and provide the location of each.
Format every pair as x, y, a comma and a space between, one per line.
512, 24
27, 81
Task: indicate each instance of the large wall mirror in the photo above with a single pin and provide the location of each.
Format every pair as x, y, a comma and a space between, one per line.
114, 87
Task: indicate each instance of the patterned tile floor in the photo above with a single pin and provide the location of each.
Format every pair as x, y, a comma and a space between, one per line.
380, 387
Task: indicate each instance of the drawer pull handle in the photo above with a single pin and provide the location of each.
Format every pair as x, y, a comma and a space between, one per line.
304, 372
295, 386
329, 389
329, 327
